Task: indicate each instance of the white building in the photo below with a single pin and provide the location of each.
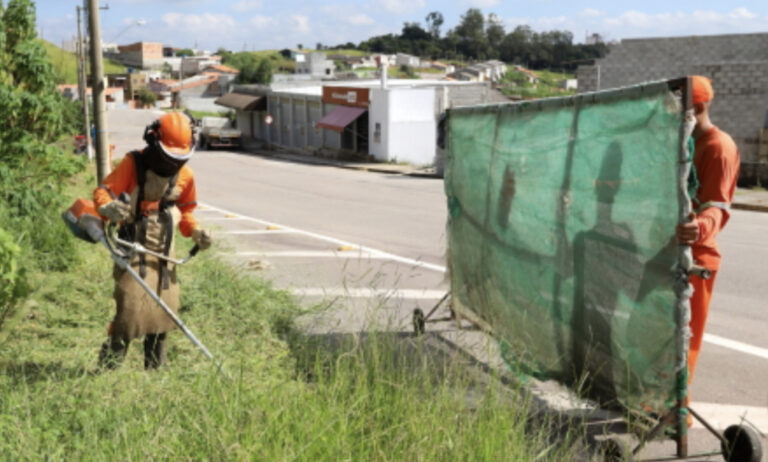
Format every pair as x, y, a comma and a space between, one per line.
394, 122
403, 59
314, 64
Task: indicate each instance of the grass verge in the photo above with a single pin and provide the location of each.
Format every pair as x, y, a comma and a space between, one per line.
291, 397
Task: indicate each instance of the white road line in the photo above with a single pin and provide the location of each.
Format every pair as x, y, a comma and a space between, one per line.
364, 292
722, 416
709, 338
237, 218
408, 261
260, 231
310, 254
737, 346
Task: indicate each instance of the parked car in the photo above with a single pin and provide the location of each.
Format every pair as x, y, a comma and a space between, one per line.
217, 132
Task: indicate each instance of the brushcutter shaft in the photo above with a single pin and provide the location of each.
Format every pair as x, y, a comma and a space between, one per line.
125, 265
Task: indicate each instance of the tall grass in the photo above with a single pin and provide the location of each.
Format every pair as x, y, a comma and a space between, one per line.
291, 396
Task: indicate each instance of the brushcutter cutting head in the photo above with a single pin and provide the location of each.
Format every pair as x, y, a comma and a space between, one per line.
84, 221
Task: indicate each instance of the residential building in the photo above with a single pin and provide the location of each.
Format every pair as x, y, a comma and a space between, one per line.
390, 122
402, 59
315, 64
141, 55
192, 65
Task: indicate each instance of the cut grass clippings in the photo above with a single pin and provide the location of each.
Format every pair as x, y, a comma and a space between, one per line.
290, 397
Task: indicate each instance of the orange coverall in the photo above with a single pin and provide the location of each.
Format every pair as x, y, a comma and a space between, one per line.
717, 162
123, 179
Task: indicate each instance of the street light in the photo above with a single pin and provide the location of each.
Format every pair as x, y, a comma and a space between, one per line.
138, 22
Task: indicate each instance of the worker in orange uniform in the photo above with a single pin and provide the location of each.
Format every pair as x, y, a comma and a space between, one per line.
716, 160
162, 194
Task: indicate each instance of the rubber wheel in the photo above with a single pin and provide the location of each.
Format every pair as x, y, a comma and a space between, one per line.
743, 445
614, 449
419, 322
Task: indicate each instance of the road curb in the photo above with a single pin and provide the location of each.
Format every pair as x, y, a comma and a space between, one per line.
750, 207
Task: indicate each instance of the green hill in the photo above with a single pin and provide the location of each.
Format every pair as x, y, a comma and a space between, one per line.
65, 64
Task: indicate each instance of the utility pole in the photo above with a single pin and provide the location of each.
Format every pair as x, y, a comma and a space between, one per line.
99, 101
82, 85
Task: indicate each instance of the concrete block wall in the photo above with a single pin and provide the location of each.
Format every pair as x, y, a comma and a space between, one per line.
737, 64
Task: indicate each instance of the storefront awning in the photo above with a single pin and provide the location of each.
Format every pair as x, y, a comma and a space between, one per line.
243, 102
340, 117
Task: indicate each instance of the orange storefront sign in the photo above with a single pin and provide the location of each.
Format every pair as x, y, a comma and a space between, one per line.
346, 96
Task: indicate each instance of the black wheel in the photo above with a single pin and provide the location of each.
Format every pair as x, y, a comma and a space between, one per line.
743, 445
418, 321
614, 449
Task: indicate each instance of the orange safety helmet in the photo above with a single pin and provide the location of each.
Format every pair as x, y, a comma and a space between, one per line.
175, 136
172, 138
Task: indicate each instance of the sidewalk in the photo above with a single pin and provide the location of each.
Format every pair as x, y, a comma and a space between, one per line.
744, 199
376, 167
750, 199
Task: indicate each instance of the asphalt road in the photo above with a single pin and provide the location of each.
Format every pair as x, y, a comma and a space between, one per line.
324, 212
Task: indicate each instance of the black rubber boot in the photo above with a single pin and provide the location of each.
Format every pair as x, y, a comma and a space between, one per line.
154, 351
112, 353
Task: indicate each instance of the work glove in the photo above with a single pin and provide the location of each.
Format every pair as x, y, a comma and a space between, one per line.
202, 238
115, 211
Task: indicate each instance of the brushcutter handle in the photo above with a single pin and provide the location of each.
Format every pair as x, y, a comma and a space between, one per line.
124, 198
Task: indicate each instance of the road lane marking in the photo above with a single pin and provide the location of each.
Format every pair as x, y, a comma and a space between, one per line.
365, 292
722, 416
260, 231
374, 253
225, 218
339, 242
737, 346
309, 254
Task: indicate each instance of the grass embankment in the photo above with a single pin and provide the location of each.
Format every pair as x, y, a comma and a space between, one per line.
378, 397
516, 84
65, 64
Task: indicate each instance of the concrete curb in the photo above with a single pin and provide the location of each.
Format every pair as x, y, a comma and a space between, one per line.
373, 168
750, 207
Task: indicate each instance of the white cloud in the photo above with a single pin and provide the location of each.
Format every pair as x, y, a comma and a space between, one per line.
592, 13
481, 3
199, 22
359, 19
402, 6
300, 23
246, 5
635, 23
261, 21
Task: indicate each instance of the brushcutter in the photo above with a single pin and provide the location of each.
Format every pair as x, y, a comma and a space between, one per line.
86, 224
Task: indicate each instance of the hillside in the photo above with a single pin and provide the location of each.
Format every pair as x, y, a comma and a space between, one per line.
65, 64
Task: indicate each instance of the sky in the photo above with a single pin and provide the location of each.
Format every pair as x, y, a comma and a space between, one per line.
240, 25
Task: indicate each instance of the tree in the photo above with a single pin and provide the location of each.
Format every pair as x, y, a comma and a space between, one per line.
33, 169
434, 21
494, 32
185, 52
412, 31
470, 34
146, 97
300, 46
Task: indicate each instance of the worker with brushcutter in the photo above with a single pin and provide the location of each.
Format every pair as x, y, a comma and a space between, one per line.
716, 162
149, 192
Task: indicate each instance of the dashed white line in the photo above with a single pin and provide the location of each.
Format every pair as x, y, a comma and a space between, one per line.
364, 292
375, 253
737, 346
260, 231
339, 242
310, 254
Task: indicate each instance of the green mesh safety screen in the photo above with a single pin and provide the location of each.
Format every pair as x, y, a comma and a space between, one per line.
561, 236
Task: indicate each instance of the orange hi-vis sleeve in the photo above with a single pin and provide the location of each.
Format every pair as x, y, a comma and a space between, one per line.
121, 179
717, 162
187, 201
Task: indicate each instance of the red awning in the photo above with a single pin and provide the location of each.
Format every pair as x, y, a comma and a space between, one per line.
340, 117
